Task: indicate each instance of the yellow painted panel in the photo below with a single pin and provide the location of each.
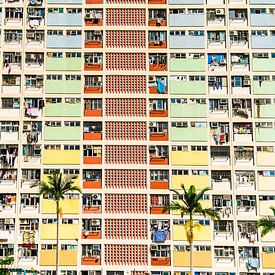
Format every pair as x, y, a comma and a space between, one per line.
61, 157
193, 158
265, 158
66, 257
202, 234
268, 260
66, 231
68, 206
76, 181
266, 183
265, 208
200, 259
47, 257
200, 182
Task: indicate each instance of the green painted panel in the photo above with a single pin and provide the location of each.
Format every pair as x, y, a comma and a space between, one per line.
188, 110
63, 87
62, 110
267, 111
187, 65
263, 64
267, 88
265, 134
63, 64
188, 134
62, 133
187, 87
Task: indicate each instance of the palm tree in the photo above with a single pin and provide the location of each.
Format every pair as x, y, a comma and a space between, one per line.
57, 187
189, 204
3, 263
267, 224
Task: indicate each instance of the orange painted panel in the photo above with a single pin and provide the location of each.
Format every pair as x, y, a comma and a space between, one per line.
94, 22
159, 161
158, 113
93, 90
153, 23
93, 67
94, 1
92, 160
93, 260
159, 137
154, 90
161, 45
161, 261
159, 184
92, 136
158, 210
91, 209
158, 67
92, 235
93, 44
92, 184
92, 112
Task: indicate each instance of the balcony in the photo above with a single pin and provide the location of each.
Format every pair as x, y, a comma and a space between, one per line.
245, 180
62, 110
157, 40
9, 131
217, 63
191, 158
194, 64
181, 109
201, 259
93, 39
159, 155
238, 17
64, 19
91, 229
92, 154
240, 62
93, 62
239, 39
64, 41
158, 85
67, 231
93, 17
223, 231
157, 18
29, 204
158, 108
92, 131
157, 202
68, 206
221, 180
93, 107
248, 258
8, 179
215, 17
246, 205
92, 179
61, 157
200, 181
11, 84
198, 132
216, 40
8, 156
160, 255
247, 232
93, 84
177, 19
63, 64
157, 62
7, 203
91, 254
243, 156
92, 204
183, 41
223, 204
180, 85
242, 132
242, 108
66, 257
224, 257
241, 85
158, 131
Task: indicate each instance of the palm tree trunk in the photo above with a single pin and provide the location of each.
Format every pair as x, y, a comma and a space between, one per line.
191, 244
57, 237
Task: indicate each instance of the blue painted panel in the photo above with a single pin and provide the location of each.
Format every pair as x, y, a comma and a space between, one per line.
65, 19
186, 42
64, 42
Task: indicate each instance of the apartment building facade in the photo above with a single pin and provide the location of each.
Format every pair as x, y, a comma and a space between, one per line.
136, 97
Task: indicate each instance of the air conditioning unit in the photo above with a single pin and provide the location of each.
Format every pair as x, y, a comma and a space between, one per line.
246, 82
27, 127
247, 77
87, 16
25, 196
223, 61
97, 32
95, 222
96, 197
152, 78
152, 124
233, 33
154, 247
219, 11
30, 34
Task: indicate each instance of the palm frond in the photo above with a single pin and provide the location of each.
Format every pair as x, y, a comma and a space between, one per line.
273, 210
266, 225
175, 206
211, 213
201, 193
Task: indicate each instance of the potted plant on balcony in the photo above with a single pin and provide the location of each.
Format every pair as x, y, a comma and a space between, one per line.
57, 187
3, 265
189, 205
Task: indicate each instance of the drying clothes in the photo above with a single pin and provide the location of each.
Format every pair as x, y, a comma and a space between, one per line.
253, 263
161, 86
160, 236
28, 237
